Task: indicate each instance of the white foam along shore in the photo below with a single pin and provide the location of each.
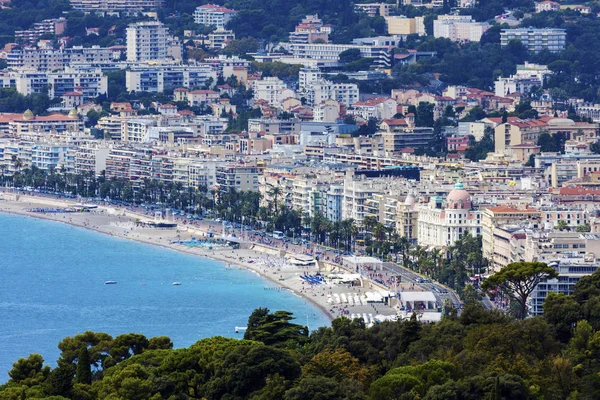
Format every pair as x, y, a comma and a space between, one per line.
259, 258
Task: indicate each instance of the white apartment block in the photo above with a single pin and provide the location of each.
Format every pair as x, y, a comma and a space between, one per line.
90, 84
321, 90
147, 41
213, 15
136, 130
536, 39
307, 76
53, 59
459, 28
48, 156
331, 52
269, 89
157, 78
126, 6
90, 158
505, 86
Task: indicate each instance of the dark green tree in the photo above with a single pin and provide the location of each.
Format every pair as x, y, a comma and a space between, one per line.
84, 367
518, 280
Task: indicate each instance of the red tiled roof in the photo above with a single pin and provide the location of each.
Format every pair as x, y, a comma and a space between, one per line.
395, 122
573, 191
371, 102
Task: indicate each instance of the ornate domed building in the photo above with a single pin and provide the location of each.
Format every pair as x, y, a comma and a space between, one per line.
444, 221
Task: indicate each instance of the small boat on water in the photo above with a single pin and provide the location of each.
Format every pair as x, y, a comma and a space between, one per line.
176, 284
110, 282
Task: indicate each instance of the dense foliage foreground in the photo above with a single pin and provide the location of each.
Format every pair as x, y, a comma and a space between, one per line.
480, 354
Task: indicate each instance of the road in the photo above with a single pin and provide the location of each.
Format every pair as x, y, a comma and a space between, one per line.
409, 276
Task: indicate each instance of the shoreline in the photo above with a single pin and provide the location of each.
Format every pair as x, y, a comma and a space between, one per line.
213, 257
116, 222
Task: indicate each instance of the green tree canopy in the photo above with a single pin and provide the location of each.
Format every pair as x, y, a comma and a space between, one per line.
518, 280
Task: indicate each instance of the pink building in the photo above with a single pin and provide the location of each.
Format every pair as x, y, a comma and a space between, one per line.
455, 142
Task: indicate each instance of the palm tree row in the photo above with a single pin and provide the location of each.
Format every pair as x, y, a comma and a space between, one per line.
451, 266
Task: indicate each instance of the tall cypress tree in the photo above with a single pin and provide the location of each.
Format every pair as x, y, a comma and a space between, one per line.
84, 368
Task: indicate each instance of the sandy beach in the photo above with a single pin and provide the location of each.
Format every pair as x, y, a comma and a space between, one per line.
269, 262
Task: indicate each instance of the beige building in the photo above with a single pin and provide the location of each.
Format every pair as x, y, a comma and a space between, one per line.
401, 25
498, 224
407, 218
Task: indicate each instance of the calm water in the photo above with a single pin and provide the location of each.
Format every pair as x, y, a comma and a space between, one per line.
52, 286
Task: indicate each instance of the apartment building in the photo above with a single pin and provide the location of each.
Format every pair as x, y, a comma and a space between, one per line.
374, 9
407, 218
220, 38
588, 110
90, 158
536, 39
238, 177
394, 141
118, 163
310, 30
156, 79
459, 28
111, 126
136, 130
148, 41
331, 52
209, 125
54, 60
90, 84
271, 89
401, 25
321, 90
379, 108
48, 156
496, 235
54, 26
213, 15
118, 6
570, 271
334, 198
358, 193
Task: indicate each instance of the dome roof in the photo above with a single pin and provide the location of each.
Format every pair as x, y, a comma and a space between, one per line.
459, 197
410, 200
73, 113
27, 115
561, 121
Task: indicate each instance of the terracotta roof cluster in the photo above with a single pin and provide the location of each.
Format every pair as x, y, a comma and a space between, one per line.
372, 102
574, 191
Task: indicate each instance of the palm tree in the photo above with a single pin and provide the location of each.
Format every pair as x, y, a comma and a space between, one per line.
17, 163
275, 192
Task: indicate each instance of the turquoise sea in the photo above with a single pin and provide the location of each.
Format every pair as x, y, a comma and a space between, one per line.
52, 286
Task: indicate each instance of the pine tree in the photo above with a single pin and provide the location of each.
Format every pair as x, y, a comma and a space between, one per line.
84, 368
